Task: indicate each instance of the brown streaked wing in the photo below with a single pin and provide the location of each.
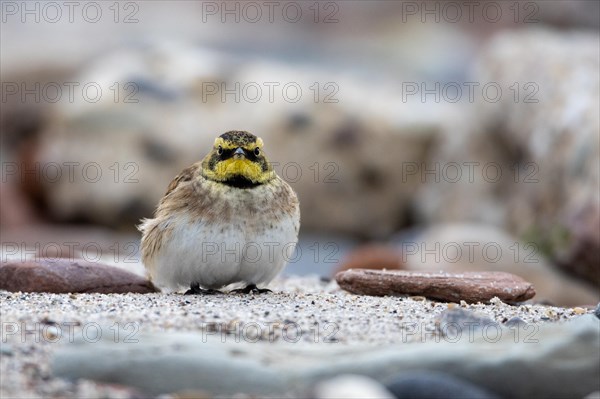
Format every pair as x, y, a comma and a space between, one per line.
186, 175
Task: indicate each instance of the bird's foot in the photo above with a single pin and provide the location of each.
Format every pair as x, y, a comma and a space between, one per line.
251, 289
196, 290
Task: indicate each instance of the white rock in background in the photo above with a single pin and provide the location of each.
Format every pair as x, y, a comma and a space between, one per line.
544, 139
352, 168
331, 147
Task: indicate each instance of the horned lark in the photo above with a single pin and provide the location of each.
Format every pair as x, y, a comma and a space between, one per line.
227, 219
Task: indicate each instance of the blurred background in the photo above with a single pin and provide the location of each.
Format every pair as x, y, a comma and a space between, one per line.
418, 135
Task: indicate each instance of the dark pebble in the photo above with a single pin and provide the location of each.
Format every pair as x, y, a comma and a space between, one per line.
435, 385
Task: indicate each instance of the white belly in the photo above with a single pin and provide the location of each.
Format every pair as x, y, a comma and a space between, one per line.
216, 256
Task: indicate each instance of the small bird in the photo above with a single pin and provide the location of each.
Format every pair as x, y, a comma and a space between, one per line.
224, 220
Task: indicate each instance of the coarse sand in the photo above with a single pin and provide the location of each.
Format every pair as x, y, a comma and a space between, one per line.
300, 308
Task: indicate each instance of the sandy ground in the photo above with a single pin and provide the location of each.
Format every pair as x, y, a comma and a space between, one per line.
301, 308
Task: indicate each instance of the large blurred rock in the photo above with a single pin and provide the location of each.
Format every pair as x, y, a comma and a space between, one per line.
545, 141
556, 360
344, 155
352, 166
116, 156
566, 14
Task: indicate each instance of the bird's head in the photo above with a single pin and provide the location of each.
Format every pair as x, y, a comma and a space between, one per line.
237, 159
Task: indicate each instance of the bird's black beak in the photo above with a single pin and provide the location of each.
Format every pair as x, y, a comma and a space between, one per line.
239, 152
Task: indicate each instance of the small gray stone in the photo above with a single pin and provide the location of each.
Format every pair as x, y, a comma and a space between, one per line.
515, 322
455, 322
6, 349
434, 385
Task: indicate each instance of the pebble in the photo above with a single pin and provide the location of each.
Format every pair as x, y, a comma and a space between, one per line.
351, 386
434, 385
70, 276
471, 287
455, 322
6, 350
515, 322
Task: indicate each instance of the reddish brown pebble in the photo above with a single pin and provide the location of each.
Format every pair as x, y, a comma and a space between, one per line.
376, 257
471, 287
64, 276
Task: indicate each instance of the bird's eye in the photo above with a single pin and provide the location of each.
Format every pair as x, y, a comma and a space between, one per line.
257, 151
220, 150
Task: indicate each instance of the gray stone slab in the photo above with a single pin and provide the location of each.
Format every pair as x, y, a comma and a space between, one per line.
551, 360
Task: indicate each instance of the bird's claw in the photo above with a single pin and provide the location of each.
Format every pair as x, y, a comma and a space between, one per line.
196, 290
251, 289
